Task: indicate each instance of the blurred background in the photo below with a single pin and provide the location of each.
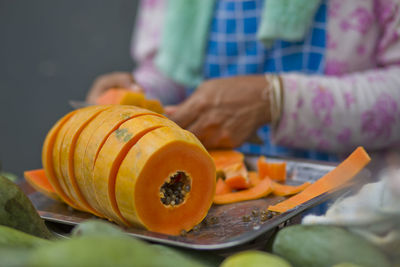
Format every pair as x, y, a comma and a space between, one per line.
50, 52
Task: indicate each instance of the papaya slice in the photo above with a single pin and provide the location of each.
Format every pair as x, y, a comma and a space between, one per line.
111, 155
49, 164
336, 178
162, 160
286, 190
64, 152
123, 96
231, 164
254, 178
38, 180
92, 139
154, 105
222, 187
262, 189
274, 170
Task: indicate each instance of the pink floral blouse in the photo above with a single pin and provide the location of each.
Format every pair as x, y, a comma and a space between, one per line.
356, 102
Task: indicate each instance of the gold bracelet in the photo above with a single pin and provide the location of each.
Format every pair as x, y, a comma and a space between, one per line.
275, 96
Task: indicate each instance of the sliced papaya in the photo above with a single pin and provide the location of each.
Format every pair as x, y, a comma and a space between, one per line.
286, 190
48, 160
262, 189
231, 163
162, 160
154, 105
222, 187
123, 96
38, 180
92, 139
274, 170
111, 155
254, 178
72, 130
343, 173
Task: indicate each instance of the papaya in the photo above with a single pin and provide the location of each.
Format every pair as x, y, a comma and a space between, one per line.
231, 164
92, 139
173, 176
222, 187
286, 190
64, 151
111, 155
274, 170
123, 96
262, 189
47, 160
334, 179
131, 166
253, 258
17, 211
318, 245
38, 180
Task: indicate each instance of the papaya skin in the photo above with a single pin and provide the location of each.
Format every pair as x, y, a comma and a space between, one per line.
18, 212
111, 155
170, 151
47, 160
90, 141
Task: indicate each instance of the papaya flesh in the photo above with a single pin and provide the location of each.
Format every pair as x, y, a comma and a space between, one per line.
231, 164
38, 180
123, 96
131, 166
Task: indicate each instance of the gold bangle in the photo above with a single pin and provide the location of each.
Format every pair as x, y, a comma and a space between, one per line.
275, 95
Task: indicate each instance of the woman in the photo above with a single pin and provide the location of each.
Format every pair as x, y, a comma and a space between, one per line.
322, 75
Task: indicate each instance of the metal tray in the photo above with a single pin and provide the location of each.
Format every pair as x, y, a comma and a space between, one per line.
229, 231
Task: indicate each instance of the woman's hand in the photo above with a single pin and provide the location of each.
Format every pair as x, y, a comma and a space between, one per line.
110, 80
224, 113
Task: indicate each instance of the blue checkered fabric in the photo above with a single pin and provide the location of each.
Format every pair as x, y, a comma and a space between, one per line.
233, 49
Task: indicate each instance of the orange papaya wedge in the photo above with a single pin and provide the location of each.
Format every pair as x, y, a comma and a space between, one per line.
231, 163
123, 96
222, 187
262, 189
38, 180
91, 140
165, 160
154, 174
111, 155
286, 190
274, 170
254, 178
336, 178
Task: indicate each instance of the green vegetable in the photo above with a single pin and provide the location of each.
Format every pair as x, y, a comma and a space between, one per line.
10, 237
107, 250
317, 245
17, 211
252, 258
96, 227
